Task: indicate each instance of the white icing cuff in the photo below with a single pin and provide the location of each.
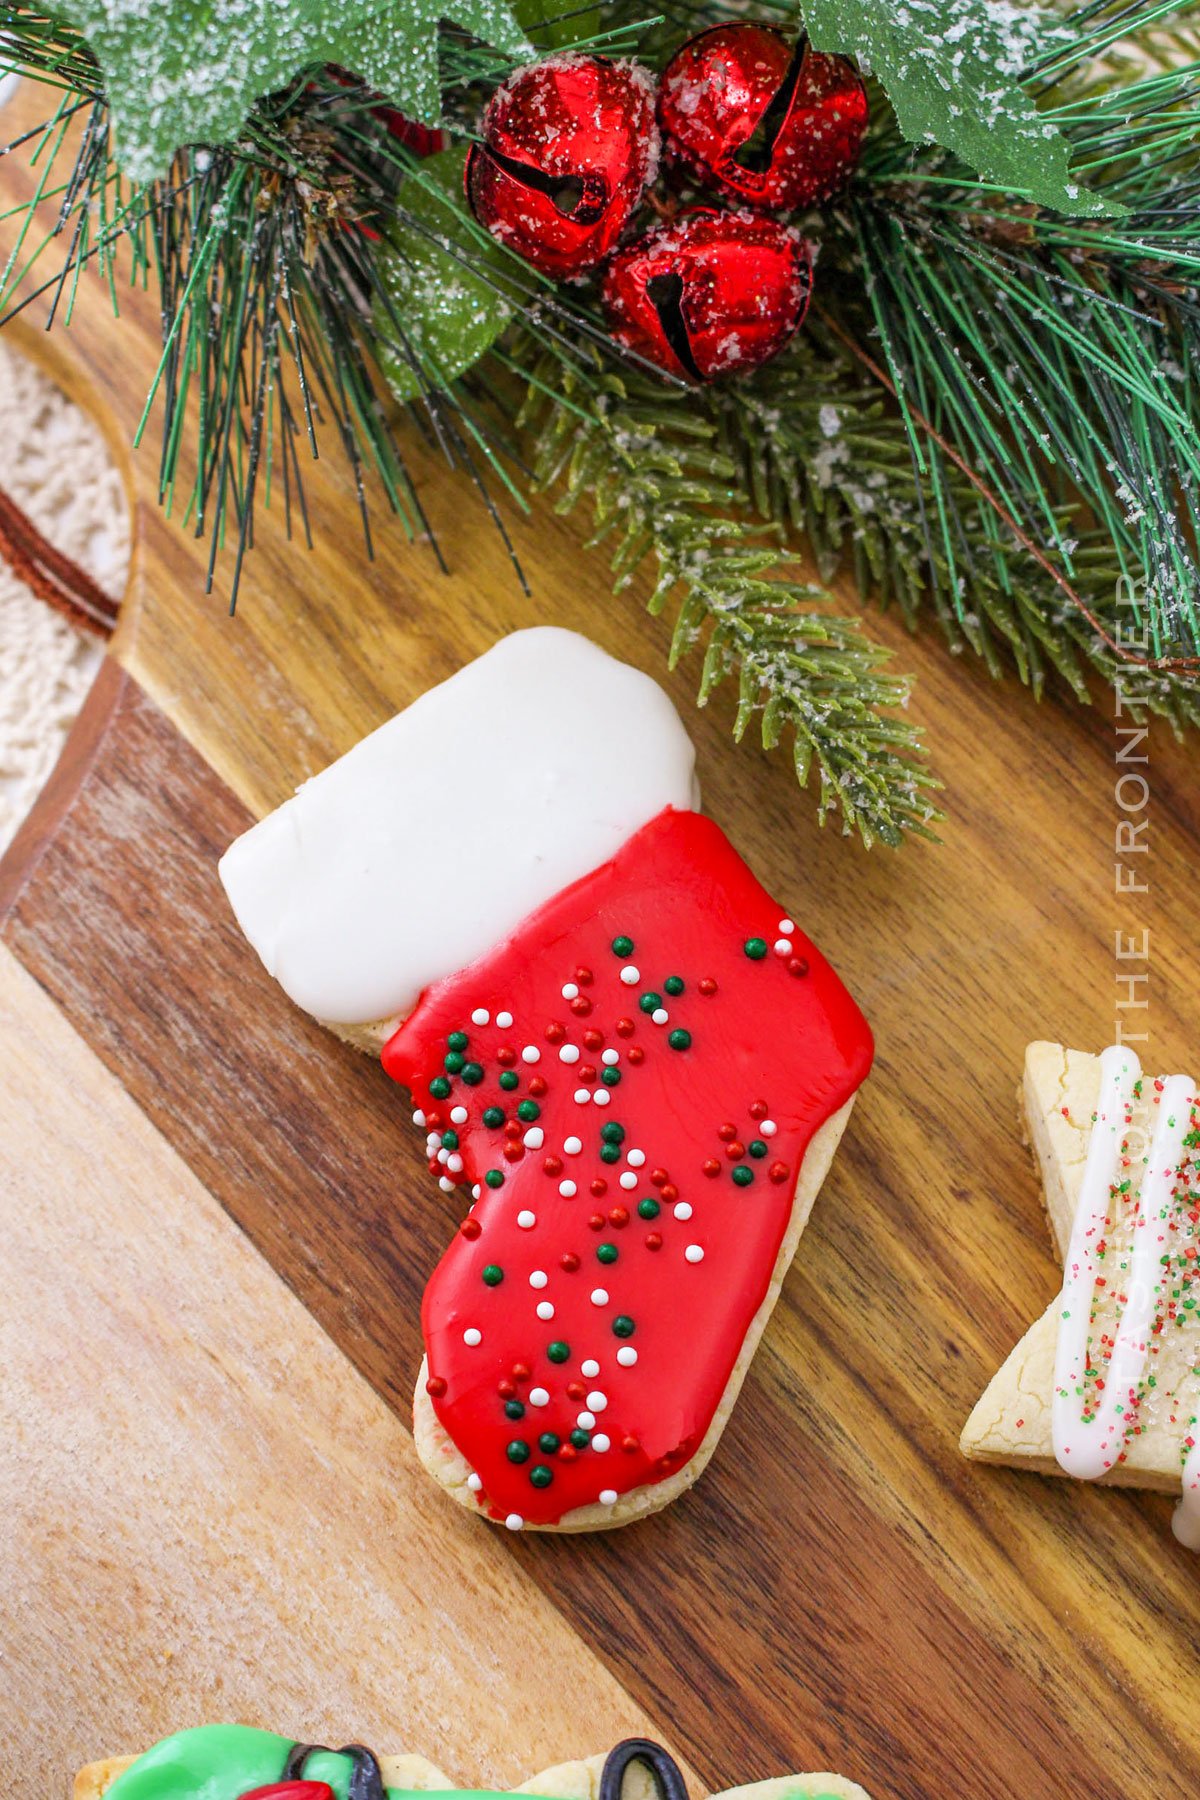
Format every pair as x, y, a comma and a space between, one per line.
434, 837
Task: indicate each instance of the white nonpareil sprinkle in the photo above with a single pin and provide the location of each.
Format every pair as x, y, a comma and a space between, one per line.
458, 1115
608, 1496
514, 1521
545, 1309
531, 1054
630, 976
454, 1163
568, 1053
539, 1396
629, 1179
472, 1336
526, 1220
418, 1117
570, 991
693, 1254
567, 1189
783, 946
504, 1020
443, 1156
660, 1015
589, 1369
785, 928
635, 1158
609, 1057
585, 1421
445, 1183
476, 1190
768, 1128
538, 1278
683, 1209
602, 1442
627, 1356
573, 1146
481, 1016
534, 1138
582, 1096
597, 1401
475, 1483
599, 1296
602, 1096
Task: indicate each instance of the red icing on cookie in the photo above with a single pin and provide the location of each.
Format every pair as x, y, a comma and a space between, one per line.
648, 1274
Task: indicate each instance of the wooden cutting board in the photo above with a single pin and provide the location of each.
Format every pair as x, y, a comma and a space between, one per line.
841, 1590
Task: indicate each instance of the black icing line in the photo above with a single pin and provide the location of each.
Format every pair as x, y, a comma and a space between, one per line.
663, 1770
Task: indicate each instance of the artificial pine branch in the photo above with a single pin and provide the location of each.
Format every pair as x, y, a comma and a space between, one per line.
663, 491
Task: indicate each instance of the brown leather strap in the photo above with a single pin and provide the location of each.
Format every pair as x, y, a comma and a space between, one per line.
52, 576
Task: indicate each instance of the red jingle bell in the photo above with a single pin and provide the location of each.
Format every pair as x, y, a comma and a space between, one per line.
775, 127
712, 293
568, 145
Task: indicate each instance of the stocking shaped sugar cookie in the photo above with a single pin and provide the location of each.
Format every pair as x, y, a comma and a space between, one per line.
630, 1066
1106, 1385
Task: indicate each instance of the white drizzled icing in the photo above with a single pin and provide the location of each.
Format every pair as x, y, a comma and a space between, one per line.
1088, 1446
434, 837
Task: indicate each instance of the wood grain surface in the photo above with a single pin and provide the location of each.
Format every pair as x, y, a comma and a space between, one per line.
841, 1589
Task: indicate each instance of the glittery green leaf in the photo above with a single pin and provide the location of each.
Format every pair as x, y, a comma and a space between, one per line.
950, 69
182, 72
437, 315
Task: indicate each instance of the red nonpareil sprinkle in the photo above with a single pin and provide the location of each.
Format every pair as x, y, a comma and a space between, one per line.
797, 965
520, 1371
576, 1390
637, 1055
581, 1006
436, 1385
624, 1027
584, 977
599, 1188
470, 1229
670, 1192
619, 1216
710, 1166
553, 1165
513, 1152
568, 1261
593, 1039
727, 1132
777, 1172
596, 1222
758, 1109
537, 1086
653, 1240
708, 987
506, 1056
555, 1033
657, 1177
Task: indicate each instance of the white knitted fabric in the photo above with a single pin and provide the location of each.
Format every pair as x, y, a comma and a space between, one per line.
55, 464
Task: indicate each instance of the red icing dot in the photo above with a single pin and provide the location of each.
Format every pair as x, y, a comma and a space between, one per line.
470, 1228
555, 1033
568, 1261
624, 1027
630, 1444
436, 1385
